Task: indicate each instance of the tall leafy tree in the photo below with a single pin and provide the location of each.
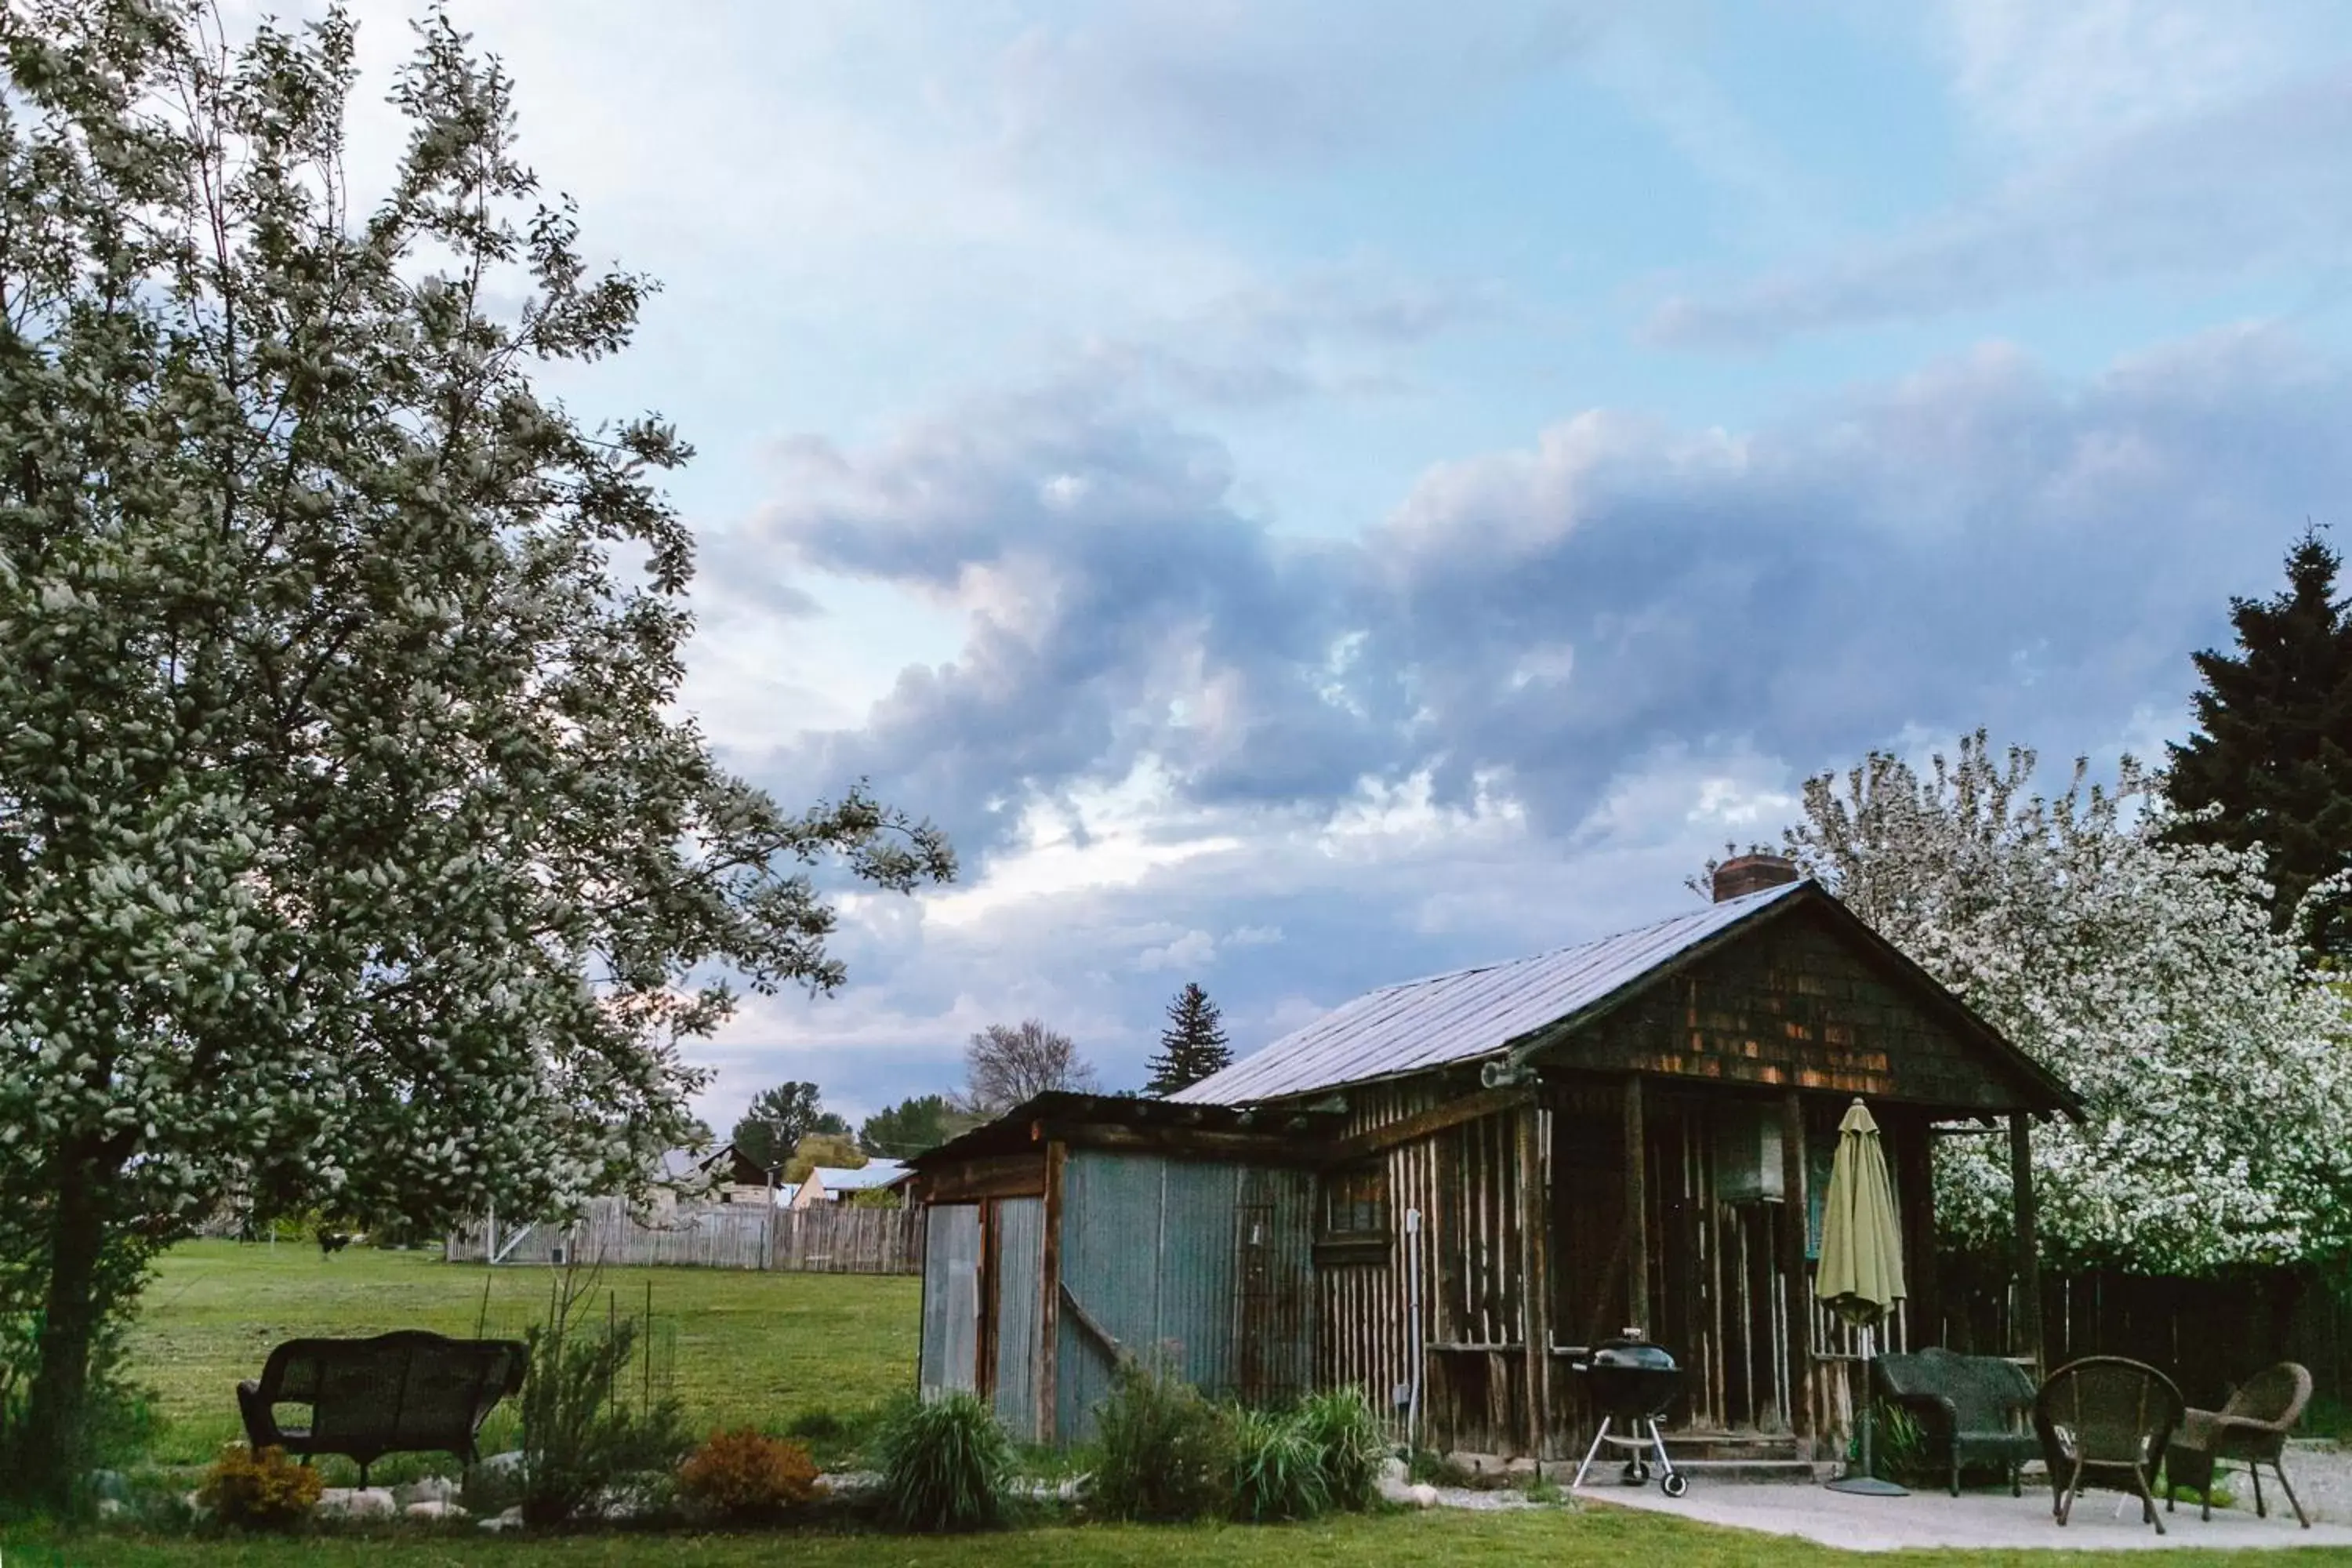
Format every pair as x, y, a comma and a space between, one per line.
1191, 1047
911, 1126
836, 1149
778, 1119
352, 850
2217, 1066
2271, 760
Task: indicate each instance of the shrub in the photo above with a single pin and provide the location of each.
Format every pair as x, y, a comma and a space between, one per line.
259, 1491
945, 1463
1277, 1470
580, 1440
1349, 1445
745, 1474
1167, 1452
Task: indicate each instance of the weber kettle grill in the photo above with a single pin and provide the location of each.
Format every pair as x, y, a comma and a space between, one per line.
1632, 1382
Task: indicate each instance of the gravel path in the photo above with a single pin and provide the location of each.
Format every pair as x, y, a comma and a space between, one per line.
2322, 1474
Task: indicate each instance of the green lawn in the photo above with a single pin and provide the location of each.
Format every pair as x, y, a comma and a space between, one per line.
1548, 1538
758, 1348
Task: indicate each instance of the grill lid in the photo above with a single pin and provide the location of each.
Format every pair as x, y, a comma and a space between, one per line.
1632, 1353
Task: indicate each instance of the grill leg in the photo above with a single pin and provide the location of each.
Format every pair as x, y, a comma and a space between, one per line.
1598, 1438
1658, 1442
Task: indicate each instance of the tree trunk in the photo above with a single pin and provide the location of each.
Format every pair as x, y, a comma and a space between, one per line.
53, 1446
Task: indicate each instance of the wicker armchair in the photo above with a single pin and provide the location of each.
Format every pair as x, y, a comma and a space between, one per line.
2104, 1421
2252, 1429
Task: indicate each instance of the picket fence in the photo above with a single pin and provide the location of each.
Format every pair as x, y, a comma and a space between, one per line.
829, 1239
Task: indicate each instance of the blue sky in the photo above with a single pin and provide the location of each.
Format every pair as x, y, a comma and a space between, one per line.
1311, 494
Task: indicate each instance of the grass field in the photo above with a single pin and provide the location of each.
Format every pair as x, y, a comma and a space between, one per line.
1545, 1538
741, 1347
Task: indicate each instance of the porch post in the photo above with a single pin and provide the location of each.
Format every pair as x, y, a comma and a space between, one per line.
1915, 1160
1637, 1208
1796, 1211
2028, 1330
1535, 1282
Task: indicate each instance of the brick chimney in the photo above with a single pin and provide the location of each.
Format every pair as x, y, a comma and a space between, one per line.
1744, 874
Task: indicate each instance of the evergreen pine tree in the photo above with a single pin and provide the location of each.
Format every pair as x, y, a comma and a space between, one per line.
2272, 748
1191, 1047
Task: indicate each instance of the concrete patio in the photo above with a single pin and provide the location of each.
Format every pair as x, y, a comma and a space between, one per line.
1973, 1519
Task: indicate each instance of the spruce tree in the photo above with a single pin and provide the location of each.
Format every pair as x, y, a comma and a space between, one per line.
1191, 1047
2272, 748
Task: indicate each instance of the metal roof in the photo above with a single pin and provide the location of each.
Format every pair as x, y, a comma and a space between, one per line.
1467, 1015
858, 1178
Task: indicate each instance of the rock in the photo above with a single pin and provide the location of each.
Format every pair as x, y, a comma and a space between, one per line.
849, 1483
433, 1508
1423, 1495
507, 1463
432, 1488
510, 1519
357, 1503
111, 1507
109, 1486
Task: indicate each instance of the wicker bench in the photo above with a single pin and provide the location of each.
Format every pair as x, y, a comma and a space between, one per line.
1978, 1404
396, 1394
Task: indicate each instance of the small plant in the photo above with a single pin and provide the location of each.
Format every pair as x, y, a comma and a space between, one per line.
1898, 1443
259, 1491
746, 1475
1350, 1446
1167, 1452
581, 1439
1278, 1469
946, 1464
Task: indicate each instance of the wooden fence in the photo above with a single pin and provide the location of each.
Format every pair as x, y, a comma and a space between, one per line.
2209, 1334
830, 1239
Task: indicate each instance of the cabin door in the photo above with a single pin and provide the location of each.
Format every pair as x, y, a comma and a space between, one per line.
951, 1250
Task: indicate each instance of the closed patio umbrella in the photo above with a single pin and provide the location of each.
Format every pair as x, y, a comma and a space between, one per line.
1861, 1272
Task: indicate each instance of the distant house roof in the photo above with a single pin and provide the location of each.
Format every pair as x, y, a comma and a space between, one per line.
703, 1167
1470, 1015
859, 1179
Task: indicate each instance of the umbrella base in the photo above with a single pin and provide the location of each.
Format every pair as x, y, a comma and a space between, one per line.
1868, 1486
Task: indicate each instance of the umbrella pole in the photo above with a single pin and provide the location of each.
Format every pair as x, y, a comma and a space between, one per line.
1865, 1484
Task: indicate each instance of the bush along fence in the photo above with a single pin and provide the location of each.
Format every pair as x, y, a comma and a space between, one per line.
832, 1239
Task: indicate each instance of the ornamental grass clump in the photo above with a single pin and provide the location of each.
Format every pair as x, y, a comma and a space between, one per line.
1349, 1445
946, 1464
1167, 1452
263, 1490
1278, 1469
748, 1476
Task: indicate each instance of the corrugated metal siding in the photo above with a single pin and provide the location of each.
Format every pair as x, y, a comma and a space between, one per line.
1111, 1250
1197, 1301
950, 1357
1464, 1015
1020, 1261
1170, 1259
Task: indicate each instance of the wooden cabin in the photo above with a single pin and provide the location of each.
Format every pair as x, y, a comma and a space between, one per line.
1467, 1178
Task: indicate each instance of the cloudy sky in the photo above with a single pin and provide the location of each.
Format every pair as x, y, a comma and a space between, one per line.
1310, 494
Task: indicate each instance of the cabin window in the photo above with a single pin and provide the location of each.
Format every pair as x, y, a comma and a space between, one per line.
1355, 1215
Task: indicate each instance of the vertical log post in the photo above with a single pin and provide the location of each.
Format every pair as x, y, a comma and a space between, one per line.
1914, 1173
1535, 1284
2029, 1252
1796, 1214
1637, 1207
1049, 1299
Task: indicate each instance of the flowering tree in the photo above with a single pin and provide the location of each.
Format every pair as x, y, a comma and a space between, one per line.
2216, 1063
351, 850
